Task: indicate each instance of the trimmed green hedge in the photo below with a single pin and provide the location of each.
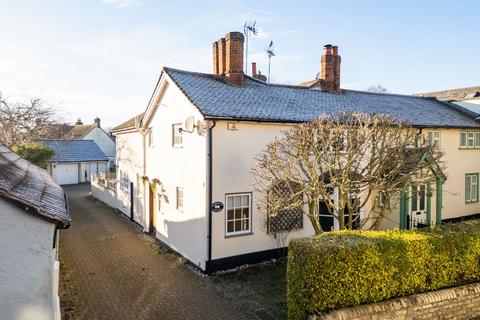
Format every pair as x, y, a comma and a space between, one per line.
348, 268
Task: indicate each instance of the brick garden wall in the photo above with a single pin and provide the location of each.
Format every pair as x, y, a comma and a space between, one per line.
454, 303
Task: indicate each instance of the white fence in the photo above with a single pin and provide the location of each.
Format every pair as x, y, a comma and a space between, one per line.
104, 188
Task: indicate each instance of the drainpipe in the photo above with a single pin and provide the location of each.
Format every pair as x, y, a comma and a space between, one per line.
210, 197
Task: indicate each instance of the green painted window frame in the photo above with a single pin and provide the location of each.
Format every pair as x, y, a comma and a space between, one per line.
469, 200
472, 136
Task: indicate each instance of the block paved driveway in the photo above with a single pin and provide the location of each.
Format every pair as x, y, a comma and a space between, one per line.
110, 270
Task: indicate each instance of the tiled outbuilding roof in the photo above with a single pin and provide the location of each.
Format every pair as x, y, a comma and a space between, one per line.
129, 124
259, 101
75, 150
459, 94
79, 131
32, 187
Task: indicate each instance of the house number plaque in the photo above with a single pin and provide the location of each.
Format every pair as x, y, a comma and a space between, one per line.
217, 206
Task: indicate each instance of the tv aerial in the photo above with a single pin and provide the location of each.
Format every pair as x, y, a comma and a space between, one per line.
249, 29
270, 54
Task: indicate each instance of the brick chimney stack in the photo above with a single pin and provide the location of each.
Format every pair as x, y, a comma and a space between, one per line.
228, 58
330, 73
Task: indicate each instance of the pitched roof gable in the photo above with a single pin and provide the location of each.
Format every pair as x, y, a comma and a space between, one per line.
259, 101
32, 187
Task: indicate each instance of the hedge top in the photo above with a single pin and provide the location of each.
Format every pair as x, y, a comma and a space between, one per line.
347, 268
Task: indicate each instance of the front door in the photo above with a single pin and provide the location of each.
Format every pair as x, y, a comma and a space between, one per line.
418, 212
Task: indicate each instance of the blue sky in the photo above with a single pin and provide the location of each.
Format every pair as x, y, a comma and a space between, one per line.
102, 57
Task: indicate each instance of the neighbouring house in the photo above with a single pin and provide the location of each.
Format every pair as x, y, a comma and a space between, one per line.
32, 210
104, 140
468, 98
188, 157
130, 156
75, 160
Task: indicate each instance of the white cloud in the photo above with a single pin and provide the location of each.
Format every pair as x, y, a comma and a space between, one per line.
263, 34
122, 3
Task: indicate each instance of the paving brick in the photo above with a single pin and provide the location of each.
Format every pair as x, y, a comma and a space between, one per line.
110, 270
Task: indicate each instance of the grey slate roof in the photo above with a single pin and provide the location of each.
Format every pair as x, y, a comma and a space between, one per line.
259, 101
32, 188
75, 150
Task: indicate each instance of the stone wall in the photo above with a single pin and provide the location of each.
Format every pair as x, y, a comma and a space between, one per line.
454, 303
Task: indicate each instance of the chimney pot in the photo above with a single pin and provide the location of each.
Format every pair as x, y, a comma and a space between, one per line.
222, 53
216, 66
97, 122
254, 69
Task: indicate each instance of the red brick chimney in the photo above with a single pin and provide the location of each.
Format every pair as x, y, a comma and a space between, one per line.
228, 58
330, 73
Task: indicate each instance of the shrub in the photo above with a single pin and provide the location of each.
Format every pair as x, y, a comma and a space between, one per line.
34, 152
348, 268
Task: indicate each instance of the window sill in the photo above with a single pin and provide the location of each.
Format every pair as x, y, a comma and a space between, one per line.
469, 202
238, 235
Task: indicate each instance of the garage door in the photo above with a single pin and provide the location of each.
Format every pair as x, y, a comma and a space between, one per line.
66, 173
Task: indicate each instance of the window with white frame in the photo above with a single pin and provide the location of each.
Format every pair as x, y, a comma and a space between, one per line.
471, 187
124, 181
469, 139
150, 137
179, 198
434, 138
238, 217
177, 138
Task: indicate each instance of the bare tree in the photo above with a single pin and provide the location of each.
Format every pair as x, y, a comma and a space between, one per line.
22, 123
377, 88
354, 155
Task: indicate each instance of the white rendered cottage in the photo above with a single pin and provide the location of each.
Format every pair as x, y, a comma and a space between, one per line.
32, 209
190, 154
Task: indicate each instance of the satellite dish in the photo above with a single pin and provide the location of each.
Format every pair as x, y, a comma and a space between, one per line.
189, 124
